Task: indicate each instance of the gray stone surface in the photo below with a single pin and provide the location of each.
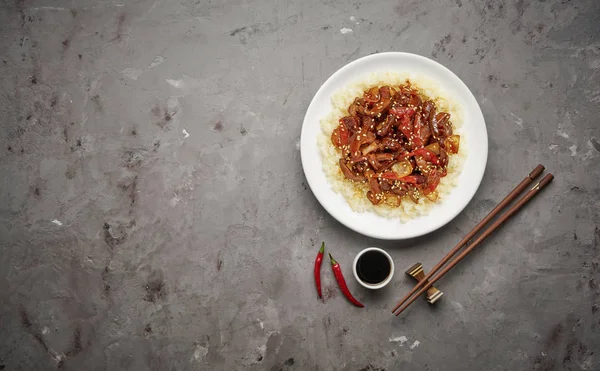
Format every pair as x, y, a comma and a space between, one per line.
154, 213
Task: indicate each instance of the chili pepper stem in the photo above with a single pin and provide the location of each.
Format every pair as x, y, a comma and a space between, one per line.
322, 249
333, 262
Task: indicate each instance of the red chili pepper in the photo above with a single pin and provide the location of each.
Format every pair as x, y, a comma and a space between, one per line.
417, 140
337, 270
428, 155
412, 179
389, 175
406, 127
404, 114
318, 262
340, 136
402, 111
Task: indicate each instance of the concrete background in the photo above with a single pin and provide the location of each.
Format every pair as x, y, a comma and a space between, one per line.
154, 214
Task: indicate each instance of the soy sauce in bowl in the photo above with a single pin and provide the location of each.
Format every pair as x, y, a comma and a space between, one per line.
373, 268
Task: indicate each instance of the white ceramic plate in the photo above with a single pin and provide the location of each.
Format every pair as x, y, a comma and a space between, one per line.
369, 223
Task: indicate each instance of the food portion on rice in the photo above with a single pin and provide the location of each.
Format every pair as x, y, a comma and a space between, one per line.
393, 148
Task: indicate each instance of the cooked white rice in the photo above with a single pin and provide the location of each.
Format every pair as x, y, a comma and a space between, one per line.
355, 193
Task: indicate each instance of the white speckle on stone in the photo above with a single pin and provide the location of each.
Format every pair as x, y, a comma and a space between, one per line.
132, 73
156, 61
185, 133
261, 324
588, 364
538, 235
562, 133
47, 8
298, 143
173, 104
415, 344
199, 353
262, 350
352, 18
517, 120
45, 330
591, 152
399, 339
458, 306
256, 356
593, 95
57, 222
544, 354
573, 149
174, 200
175, 83
459, 310
553, 148
345, 30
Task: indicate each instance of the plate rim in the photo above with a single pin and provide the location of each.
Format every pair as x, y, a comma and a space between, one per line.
328, 207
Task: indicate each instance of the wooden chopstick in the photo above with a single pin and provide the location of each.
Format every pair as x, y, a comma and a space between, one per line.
513, 209
508, 199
